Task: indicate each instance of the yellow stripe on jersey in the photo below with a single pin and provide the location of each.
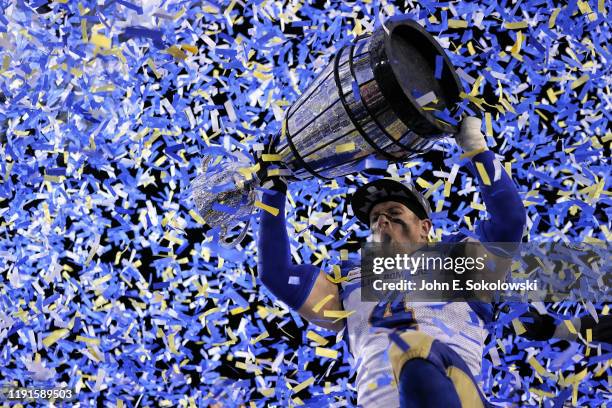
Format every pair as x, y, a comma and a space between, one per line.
419, 346
466, 390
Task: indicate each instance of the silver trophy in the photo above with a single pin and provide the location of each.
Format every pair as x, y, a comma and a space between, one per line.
390, 95
224, 196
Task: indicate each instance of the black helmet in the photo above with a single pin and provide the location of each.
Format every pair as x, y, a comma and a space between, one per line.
386, 189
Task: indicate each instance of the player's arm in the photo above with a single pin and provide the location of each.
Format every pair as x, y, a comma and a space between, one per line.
301, 287
507, 217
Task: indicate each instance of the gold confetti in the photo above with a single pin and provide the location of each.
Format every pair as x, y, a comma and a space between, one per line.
303, 385
472, 153
260, 337
272, 210
84, 30
345, 147
518, 327
570, 326
311, 335
516, 25
454, 23
100, 40
271, 157
344, 254
516, 48
338, 314
104, 88
585, 9
55, 336
579, 81
552, 96
539, 369
322, 303
191, 48
326, 352
176, 52
196, 217
95, 342
239, 310
589, 335
423, 183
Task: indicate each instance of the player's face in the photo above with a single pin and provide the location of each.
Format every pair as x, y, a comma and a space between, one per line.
393, 222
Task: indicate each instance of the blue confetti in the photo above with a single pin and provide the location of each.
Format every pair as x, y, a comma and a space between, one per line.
439, 66
108, 107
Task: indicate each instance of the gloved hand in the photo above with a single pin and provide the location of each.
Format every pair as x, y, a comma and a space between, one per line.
470, 137
276, 183
267, 173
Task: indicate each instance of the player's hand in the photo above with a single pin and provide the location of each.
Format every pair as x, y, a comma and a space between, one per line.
268, 178
470, 137
269, 172
276, 183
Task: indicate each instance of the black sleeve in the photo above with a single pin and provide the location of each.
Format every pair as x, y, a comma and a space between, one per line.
539, 327
600, 332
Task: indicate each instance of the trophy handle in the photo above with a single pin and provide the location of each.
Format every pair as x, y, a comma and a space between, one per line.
232, 243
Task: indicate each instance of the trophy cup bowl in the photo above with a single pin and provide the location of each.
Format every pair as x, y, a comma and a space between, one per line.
388, 94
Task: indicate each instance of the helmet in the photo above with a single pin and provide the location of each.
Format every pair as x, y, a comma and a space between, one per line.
386, 189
